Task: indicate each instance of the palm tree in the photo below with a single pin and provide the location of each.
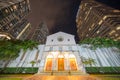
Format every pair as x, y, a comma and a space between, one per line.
32, 63
91, 61
84, 60
88, 61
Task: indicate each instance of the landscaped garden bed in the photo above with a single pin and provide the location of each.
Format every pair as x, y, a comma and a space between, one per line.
103, 70
15, 70
10, 78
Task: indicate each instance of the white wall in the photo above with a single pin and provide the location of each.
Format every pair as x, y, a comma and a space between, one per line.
68, 39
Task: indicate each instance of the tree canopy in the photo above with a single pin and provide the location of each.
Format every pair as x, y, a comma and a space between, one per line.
101, 42
9, 49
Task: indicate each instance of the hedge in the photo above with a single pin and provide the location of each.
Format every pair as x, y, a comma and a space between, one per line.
103, 70
20, 70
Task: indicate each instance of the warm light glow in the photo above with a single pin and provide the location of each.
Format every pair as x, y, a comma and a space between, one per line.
50, 56
48, 66
104, 17
69, 77
89, 29
23, 30
116, 10
73, 64
66, 55
92, 25
61, 63
60, 56
3, 35
14, 7
113, 31
55, 54
6, 10
97, 32
118, 28
71, 56
116, 34
11, 2
87, 35
100, 22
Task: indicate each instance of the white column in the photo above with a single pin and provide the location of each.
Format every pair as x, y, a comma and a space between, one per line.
54, 64
78, 61
66, 63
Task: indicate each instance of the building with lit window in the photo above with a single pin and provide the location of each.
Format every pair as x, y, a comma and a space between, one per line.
13, 21
62, 56
95, 19
40, 34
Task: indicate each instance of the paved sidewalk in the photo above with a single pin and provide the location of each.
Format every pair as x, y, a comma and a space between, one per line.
43, 77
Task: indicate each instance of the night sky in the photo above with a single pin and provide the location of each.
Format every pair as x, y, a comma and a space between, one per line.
59, 15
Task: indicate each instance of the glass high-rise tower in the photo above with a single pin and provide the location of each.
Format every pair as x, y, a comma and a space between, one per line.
40, 34
13, 22
95, 19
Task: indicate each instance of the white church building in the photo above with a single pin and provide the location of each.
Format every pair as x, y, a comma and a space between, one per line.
62, 54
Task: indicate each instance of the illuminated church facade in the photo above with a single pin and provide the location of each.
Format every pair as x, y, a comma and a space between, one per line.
61, 54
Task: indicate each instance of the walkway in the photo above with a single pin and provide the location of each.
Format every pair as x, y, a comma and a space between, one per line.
46, 77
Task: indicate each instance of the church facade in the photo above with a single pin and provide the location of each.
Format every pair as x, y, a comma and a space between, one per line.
61, 54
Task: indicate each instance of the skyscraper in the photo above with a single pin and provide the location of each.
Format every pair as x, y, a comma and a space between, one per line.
13, 22
40, 34
95, 19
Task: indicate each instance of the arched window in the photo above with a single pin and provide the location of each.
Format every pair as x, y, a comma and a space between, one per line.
60, 62
73, 64
48, 65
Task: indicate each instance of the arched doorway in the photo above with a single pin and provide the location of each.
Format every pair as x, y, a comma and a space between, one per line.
48, 65
60, 62
73, 64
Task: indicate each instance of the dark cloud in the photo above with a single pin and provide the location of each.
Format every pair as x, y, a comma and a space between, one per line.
58, 14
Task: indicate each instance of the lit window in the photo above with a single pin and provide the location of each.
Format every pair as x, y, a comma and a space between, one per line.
92, 25
14, 7
116, 34
116, 11
11, 2
6, 10
100, 22
89, 29
11, 9
113, 31
5, 36
97, 32
104, 17
118, 28
87, 35
11, 24
118, 38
